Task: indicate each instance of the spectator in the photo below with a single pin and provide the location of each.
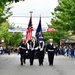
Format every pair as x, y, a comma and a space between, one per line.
1, 50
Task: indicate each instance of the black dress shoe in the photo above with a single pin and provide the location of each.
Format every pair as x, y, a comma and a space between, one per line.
39, 64
51, 64
21, 64
31, 64
24, 62
42, 64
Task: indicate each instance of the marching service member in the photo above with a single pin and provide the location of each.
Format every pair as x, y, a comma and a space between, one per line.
41, 51
23, 49
31, 50
50, 50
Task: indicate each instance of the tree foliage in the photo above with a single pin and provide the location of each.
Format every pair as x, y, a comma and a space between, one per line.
5, 13
14, 38
63, 19
5, 9
64, 15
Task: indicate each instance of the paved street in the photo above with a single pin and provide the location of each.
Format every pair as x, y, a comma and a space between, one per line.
10, 65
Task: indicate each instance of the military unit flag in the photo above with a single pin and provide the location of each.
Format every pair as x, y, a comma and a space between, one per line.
39, 31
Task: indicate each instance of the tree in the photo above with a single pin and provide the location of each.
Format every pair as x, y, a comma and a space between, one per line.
64, 18
5, 13
54, 35
10, 37
64, 15
5, 9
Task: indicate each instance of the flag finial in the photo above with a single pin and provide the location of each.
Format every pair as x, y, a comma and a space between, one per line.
31, 13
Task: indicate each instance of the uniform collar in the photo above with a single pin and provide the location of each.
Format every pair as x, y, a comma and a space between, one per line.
51, 43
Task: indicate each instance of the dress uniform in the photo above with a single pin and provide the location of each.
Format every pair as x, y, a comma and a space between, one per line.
31, 50
23, 48
41, 51
50, 50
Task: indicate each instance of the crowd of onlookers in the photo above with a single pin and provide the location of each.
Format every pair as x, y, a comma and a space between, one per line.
67, 50
9, 49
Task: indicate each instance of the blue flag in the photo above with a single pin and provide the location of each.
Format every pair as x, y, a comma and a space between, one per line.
39, 31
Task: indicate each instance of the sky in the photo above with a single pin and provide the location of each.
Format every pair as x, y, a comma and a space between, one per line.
21, 12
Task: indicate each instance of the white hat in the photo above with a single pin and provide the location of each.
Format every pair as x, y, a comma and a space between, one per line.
51, 39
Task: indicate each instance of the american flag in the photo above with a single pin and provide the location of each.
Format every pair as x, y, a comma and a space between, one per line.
29, 30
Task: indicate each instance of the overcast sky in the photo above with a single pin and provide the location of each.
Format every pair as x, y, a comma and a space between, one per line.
39, 7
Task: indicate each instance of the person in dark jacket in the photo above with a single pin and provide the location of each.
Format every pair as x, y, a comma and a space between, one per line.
23, 48
50, 50
31, 50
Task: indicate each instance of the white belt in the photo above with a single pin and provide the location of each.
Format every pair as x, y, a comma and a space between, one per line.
41, 49
22, 47
51, 50
32, 49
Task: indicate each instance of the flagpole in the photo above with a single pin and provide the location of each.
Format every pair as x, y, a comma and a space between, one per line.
31, 15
